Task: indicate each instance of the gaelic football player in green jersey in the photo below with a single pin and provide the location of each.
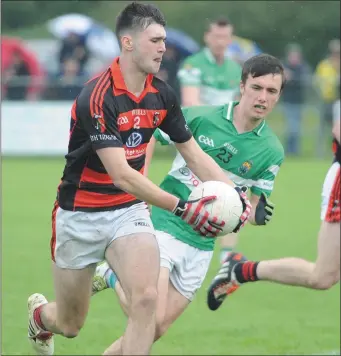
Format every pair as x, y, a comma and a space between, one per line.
238, 138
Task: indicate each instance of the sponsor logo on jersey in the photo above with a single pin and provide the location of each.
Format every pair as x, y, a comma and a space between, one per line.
206, 140
100, 123
245, 167
231, 148
185, 171
102, 137
134, 140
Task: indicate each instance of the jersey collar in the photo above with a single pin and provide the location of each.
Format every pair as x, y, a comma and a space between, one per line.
118, 80
229, 116
119, 86
210, 56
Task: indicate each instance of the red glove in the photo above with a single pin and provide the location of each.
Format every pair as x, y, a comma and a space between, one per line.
195, 214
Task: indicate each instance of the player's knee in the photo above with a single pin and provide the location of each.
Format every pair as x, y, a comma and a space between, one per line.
327, 281
71, 331
144, 299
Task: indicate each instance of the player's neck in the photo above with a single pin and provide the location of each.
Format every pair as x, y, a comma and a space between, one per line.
219, 59
133, 78
242, 122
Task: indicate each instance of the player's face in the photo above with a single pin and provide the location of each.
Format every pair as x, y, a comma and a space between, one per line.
218, 38
149, 47
260, 95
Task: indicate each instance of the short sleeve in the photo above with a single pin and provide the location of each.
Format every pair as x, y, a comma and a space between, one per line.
265, 181
174, 124
99, 123
162, 137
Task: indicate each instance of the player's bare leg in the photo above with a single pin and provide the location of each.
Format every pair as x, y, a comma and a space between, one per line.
66, 315
170, 305
73, 292
322, 274
136, 260
227, 245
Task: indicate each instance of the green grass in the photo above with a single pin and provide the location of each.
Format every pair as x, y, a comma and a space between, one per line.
262, 318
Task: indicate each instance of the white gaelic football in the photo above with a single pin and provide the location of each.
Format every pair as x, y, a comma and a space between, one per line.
227, 206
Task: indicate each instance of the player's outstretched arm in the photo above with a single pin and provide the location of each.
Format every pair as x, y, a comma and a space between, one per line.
132, 182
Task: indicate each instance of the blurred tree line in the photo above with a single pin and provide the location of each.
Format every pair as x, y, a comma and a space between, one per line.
272, 24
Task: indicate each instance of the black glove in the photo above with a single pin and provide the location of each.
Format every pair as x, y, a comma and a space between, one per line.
264, 210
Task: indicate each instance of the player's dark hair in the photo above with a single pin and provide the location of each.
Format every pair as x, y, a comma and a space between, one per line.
137, 16
220, 21
262, 64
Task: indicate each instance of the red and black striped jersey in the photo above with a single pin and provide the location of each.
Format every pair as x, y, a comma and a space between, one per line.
106, 114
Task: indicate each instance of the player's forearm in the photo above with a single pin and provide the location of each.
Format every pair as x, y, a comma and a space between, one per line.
142, 188
207, 169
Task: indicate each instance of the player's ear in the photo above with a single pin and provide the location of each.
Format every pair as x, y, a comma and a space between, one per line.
127, 42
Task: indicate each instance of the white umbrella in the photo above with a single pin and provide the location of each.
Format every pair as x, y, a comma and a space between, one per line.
102, 42
62, 25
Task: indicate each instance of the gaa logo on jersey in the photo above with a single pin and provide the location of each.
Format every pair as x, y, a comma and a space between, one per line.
100, 123
245, 167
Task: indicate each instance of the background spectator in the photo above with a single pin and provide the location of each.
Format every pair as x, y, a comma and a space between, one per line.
298, 76
73, 46
22, 75
326, 80
209, 77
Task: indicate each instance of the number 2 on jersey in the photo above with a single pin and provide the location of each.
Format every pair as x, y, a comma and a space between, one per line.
137, 120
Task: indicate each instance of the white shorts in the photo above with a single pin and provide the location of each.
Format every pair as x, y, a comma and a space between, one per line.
80, 239
187, 265
330, 207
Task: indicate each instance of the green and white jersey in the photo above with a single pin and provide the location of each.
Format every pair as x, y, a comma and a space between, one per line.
219, 83
251, 158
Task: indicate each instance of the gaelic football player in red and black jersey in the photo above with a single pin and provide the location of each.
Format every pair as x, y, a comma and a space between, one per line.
321, 274
101, 208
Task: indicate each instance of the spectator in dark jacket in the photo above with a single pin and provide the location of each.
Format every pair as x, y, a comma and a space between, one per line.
74, 46
298, 77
